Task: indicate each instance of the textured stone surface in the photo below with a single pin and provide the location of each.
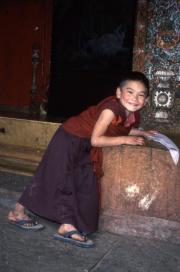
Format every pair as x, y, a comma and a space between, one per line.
38, 252
140, 184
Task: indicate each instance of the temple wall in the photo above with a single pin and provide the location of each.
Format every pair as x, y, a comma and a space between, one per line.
157, 53
140, 192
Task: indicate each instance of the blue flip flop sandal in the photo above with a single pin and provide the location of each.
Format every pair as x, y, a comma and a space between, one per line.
67, 238
23, 224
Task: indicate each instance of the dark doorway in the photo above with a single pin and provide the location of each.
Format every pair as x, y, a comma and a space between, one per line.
92, 45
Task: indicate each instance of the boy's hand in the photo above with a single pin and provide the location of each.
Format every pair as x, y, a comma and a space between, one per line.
134, 140
143, 133
149, 133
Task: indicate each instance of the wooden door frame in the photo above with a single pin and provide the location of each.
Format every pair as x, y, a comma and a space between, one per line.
43, 71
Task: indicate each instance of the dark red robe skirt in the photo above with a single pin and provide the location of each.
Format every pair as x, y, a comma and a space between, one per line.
64, 188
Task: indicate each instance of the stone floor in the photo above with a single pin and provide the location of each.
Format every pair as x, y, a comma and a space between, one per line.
38, 252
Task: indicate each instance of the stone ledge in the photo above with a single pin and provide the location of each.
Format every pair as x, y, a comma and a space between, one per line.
23, 142
26, 133
140, 183
21, 152
19, 159
141, 226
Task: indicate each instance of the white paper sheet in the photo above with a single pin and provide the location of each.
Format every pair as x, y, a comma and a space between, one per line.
168, 143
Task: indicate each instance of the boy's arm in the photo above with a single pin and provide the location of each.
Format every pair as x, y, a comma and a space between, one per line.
99, 139
140, 132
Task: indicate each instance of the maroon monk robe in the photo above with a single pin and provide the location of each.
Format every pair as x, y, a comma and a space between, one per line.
83, 124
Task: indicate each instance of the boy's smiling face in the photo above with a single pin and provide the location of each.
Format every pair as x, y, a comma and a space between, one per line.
132, 95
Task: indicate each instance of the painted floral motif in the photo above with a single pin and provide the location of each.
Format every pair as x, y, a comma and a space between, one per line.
161, 56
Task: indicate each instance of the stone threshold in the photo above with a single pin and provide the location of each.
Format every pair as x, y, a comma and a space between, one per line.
22, 143
19, 159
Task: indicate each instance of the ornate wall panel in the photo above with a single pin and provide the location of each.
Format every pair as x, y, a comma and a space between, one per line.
140, 36
160, 59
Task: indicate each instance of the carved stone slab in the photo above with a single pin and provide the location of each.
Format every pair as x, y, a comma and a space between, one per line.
140, 191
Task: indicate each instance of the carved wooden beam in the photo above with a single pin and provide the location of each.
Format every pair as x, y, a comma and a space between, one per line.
35, 62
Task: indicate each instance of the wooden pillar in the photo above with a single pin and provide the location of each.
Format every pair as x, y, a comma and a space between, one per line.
140, 36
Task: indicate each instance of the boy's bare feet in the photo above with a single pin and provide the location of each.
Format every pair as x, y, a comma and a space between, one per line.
69, 234
19, 218
18, 213
64, 228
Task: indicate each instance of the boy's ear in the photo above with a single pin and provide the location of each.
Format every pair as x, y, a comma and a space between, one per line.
118, 93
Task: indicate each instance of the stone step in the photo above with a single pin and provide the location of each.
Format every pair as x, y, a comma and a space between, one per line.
22, 143
17, 166
18, 159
